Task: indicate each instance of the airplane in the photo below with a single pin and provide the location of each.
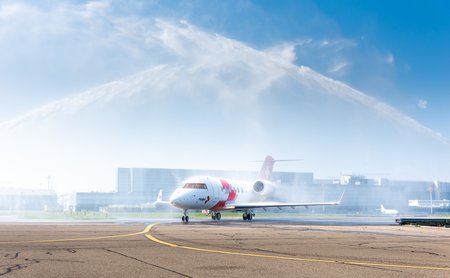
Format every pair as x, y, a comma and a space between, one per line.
387, 211
159, 203
216, 194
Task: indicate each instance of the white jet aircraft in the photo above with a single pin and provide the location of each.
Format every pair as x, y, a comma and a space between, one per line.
388, 211
219, 194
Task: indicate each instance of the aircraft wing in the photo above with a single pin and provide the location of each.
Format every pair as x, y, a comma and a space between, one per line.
244, 206
253, 205
156, 203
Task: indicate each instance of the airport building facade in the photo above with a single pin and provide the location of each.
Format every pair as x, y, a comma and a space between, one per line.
364, 195
14, 199
138, 186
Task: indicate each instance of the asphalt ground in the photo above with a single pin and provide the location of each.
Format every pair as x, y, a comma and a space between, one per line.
229, 248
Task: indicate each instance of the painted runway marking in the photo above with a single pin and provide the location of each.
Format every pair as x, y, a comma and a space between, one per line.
152, 238
146, 230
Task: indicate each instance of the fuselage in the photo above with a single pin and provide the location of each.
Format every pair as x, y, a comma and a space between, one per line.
390, 211
212, 193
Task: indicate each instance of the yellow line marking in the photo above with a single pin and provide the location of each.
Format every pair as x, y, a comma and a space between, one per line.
146, 230
289, 258
162, 242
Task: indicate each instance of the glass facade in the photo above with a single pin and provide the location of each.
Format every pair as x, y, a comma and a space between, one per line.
362, 195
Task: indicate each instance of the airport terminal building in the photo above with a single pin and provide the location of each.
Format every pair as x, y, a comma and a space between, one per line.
364, 195
139, 186
14, 199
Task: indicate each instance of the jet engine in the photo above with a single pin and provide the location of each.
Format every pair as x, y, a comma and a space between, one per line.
264, 187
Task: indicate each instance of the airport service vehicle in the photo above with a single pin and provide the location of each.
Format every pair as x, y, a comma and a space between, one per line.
388, 211
215, 194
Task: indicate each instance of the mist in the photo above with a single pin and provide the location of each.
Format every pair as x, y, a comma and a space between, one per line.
156, 91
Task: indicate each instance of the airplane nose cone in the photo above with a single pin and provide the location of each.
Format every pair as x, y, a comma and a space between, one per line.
174, 200
182, 199
177, 200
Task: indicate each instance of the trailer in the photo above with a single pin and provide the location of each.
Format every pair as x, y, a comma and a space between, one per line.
440, 222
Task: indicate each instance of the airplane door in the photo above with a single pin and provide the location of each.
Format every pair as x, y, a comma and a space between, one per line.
214, 192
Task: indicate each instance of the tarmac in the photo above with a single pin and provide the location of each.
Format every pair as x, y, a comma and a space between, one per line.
229, 247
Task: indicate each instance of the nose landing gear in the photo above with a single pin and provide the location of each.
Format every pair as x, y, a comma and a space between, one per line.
185, 217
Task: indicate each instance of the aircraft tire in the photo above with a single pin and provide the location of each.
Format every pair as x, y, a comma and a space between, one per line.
213, 216
249, 217
218, 216
182, 218
187, 219
244, 216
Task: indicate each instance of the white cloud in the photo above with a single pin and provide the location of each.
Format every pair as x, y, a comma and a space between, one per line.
284, 51
338, 66
390, 59
337, 44
422, 104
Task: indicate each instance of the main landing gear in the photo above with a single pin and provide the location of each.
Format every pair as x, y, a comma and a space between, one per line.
248, 216
216, 215
185, 217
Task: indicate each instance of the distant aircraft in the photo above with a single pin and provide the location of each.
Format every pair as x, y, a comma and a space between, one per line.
388, 211
219, 194
159, 203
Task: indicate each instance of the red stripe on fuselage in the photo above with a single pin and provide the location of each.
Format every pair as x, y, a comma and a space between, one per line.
231, 193
225, 184
219, 205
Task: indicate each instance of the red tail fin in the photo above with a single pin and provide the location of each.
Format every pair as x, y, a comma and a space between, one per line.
266, 170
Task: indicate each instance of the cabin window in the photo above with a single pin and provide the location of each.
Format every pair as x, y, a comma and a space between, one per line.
195, 185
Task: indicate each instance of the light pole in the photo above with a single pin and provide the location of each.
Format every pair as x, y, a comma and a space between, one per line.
431, 198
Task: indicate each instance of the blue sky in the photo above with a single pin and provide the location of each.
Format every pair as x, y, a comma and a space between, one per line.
349, 86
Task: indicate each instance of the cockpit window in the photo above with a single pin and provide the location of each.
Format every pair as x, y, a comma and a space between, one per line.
195, 185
